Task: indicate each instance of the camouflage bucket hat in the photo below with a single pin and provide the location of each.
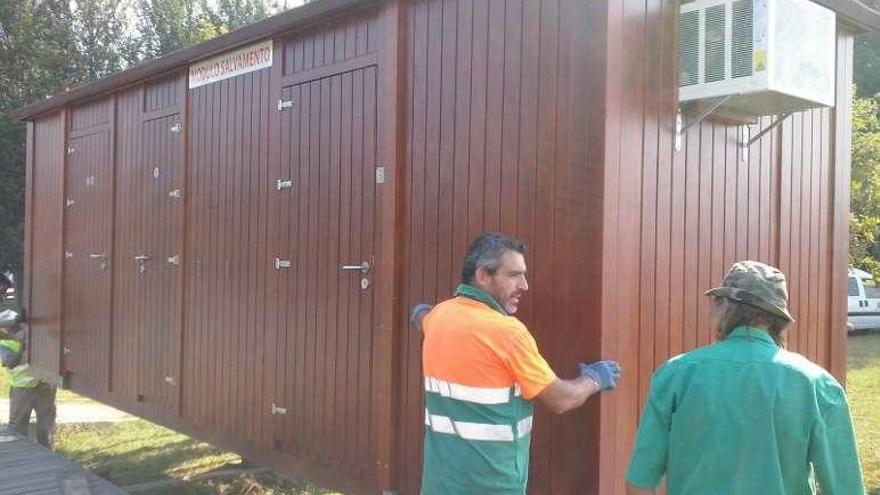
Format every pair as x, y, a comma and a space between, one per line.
756, 284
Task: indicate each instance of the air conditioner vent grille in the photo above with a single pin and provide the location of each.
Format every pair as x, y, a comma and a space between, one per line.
714, 43
741, 44
756, 57
689, 48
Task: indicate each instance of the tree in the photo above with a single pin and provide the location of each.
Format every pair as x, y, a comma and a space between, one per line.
168, 25
865, 195
101, 38
232, 14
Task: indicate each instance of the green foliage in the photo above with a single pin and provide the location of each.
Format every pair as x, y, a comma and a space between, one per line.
232, 14
865, 192
168, 25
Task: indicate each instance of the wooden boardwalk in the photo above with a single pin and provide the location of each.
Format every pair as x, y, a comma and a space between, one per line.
29, 469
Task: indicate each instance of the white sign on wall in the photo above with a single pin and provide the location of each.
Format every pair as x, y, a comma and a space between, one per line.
248, 59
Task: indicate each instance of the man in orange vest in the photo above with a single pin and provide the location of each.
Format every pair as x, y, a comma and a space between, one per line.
482, 372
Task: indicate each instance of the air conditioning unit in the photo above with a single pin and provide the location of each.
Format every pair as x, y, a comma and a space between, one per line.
768, 57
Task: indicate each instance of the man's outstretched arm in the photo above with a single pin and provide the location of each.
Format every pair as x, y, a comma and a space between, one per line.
564, 395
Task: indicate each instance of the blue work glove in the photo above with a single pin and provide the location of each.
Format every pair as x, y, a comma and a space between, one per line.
418, 313
604, 373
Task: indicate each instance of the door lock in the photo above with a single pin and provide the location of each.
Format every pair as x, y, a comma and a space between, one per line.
141, 260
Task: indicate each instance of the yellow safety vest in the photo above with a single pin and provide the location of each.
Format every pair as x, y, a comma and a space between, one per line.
19, 377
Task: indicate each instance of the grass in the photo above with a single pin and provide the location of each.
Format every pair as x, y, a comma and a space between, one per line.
135, 452
863, 389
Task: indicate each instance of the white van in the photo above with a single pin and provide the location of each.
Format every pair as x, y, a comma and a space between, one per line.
863, 306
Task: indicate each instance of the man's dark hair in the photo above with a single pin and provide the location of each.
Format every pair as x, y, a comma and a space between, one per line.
486, 252
734, 314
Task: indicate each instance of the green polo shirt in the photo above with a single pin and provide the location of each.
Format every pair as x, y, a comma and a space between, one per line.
744, 416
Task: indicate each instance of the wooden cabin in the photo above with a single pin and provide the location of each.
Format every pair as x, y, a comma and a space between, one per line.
227, 240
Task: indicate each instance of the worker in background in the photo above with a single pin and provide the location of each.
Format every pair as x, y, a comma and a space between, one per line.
745, 416
26, 393
482, 372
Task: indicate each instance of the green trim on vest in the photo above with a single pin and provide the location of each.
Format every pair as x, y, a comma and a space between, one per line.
471, 292
454, 465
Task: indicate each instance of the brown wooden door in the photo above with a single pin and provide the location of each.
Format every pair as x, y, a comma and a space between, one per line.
150, 232
326, 229
87, 274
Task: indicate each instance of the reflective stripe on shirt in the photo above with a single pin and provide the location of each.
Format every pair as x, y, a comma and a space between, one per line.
477, 431
477, 395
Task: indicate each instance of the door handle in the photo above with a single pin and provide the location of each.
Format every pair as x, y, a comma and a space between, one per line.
364, 267
99, 256
141, 257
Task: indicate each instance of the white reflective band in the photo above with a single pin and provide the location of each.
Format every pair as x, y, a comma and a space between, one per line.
524, 427
477, 395
517, 390
469, 431
480, 431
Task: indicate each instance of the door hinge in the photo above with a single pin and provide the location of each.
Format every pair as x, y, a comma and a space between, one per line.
171, 381
174, 260
174, 193
68, 254
283, 184
282, 104
70, 150
176, 128
280, 263
380, 175
276, 409
66, 349
68, 203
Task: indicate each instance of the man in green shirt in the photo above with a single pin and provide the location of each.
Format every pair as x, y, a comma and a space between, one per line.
745, 416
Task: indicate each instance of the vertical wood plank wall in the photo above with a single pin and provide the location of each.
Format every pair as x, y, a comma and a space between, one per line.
44, 245
552, 120
676, 220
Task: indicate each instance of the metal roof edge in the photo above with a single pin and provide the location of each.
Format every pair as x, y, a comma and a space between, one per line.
268, 27
854, 13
